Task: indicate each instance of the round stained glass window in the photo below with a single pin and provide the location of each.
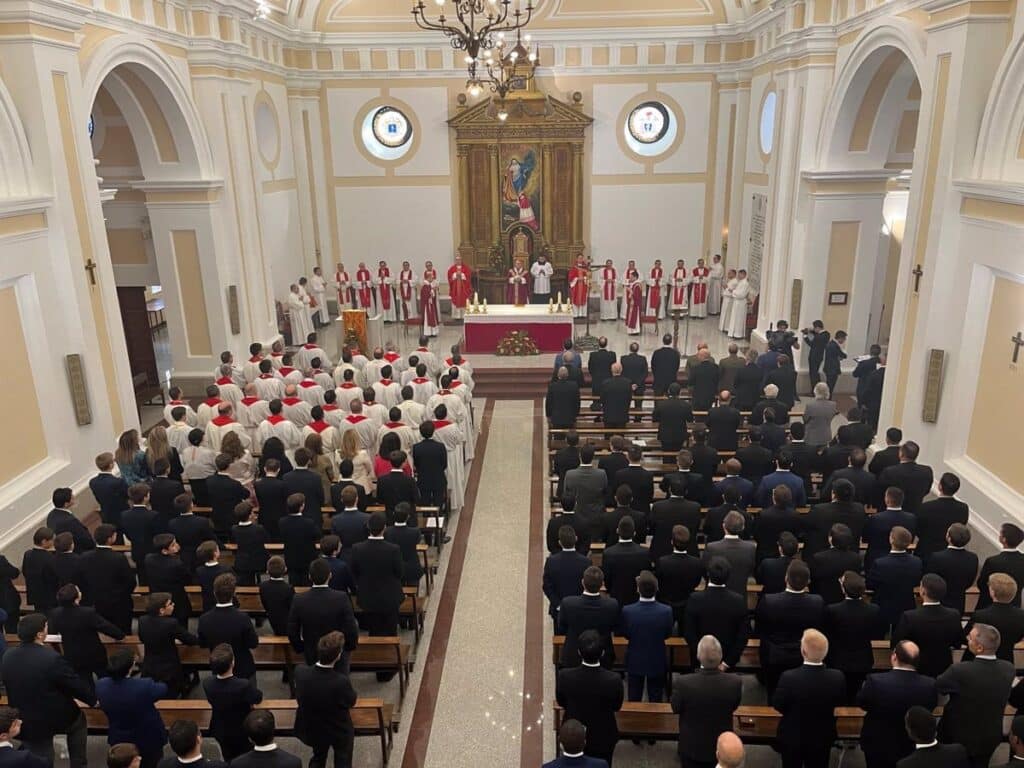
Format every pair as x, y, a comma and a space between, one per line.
649, 122
391, 127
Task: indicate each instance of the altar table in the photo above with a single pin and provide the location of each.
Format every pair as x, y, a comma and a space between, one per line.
548, 330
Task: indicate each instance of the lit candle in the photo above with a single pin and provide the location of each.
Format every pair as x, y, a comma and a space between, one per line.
476, 298
559, 297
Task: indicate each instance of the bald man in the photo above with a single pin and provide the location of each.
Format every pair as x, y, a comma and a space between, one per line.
562, 404
729, 752
615, 397
807, 697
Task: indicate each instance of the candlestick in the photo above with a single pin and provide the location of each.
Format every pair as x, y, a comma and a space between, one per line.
559, 298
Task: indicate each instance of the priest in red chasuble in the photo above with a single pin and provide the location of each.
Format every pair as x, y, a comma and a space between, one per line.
579, 287
518, 291
459, 287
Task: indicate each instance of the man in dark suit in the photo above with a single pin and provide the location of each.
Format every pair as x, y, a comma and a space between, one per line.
819, 520
39, 572
138, 524
80, 629
1016, 739
740, 554
325, 695
61, 519
616, 396
225, 493
587, 486
566, 516
672, 415
852, 624
704, 463
639, 480
623, 562
349, 524
747, 387
888, 456
160, 633
733, 479
612, 464
878, 526
956, 565
431, 461
562, 404
591, 694
1001, 614
807, 697
11, 756
591, 610
717, 610
634, 368
806, 460
109, 579
377, 568
664, 365
190, 530
259, 727
271, 494
319, 611
703, 381
231, 699
277, 595
928, 753
862, 480
406, 535
167, 573
692, 485
978, 691
771, 572
855, 433
935, 628
1010, 561
885, 698
667, 514
396, 487
563, 571
41, 684
300, 536
770, 402
782, 618
829, 565
784, 377
722, 422
934, 517
646, 623
679, 574
893, 577
572, 737
705, 701
227, 624
109, 490
862, 372
915, 480
162, 493
599, 364
783, 475
129, 705
566, 458
774, 520
187, 744
873, 387
307, 482
816, 338
755, 460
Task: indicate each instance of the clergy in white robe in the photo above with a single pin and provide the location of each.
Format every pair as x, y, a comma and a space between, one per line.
252, 411
726, 316
393, 358
738, 312
374, 410
678, 298
207, 409
365, 428
237, 373
385, 292
465, 394
457, 412
251, 367
427, 357
320, 426
318, 290
310, 391
715, 273
298, 313
609, 289
339, 372
289, 374
387, 391
228, 390
699, 290
333, 414
456, 358
176, 401
423, 387
296, 410
371, 371
541, 272
268, 384
309, 352
407, 305
655, 290
407, 436
276, 425
276, 355
221, 425
430, 304
348, 391
451, 436
198, 461
321, 377
178, 432
413, 414
343, 285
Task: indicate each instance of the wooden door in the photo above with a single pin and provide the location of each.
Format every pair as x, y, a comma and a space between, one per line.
138, 337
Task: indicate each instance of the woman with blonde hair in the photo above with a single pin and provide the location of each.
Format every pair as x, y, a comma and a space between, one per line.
158, 447
131, 459
243, 466
320, 463
362, 464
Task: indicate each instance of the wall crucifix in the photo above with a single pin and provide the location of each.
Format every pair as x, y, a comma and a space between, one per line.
1018, 342
917, 273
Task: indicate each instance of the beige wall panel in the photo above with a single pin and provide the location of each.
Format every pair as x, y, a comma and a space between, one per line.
16, 382
906, 134
350, 59
684, 54
599, 56
126, 246
324, 60
842, 257
627, 55
434, 59
712, 53
193, 296
999, 402
378, 59
406, 59
572, 56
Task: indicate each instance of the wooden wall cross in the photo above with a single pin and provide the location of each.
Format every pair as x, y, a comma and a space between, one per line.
91, 267
1018, 342
917, 273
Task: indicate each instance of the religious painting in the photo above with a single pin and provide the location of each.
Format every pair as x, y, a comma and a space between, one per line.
520, 187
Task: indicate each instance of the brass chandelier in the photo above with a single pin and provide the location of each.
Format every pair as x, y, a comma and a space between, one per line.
481, 31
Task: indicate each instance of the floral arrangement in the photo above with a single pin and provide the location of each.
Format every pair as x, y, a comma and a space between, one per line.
517, 344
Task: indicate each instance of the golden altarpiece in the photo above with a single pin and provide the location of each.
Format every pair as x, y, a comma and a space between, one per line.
520, 184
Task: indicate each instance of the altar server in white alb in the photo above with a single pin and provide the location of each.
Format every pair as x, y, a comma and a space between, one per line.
407, 293
318, 288
609, 286
541, 272
726, 318
655, 288
699, 291
451, 436
298, 313
715, 273
741, 297
385, 294
677, 293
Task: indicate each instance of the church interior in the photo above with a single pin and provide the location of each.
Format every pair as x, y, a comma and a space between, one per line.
471, 183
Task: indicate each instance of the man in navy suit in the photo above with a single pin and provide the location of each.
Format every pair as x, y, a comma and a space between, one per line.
563, 571
892, 578
11, 756
885, 698
877, 528
431, 461
733, 480
646, 624
109, 490
572, 737
129, 704
783, 475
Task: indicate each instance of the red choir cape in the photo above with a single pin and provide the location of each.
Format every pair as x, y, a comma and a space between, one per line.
516, 293
654, 292
458, 290
578, 292
384, 290
364, 277
700, 290
427, 302
679, 291
319, 426
608, 276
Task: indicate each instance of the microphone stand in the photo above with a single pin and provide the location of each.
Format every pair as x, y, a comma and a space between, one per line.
587, 342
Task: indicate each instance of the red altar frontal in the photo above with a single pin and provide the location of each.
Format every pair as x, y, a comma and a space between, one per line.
548, 330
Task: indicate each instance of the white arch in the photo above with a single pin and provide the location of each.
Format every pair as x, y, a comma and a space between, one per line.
15, 153
892, 32
185, 124
1003, 119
